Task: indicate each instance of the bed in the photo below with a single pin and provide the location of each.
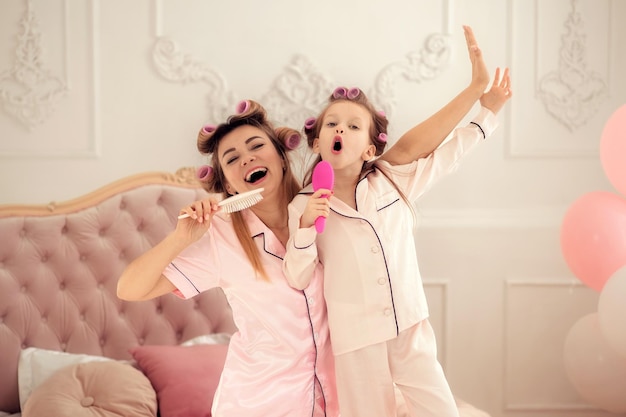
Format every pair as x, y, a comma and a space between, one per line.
69, 346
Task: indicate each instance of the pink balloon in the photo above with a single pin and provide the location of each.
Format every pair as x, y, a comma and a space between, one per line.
593, 368
613, 149
612, 312
593, 237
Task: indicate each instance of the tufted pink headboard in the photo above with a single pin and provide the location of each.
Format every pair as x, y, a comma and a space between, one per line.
59, 266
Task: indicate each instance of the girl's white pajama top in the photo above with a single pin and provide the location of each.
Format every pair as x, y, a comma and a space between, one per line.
372, 282
280, 362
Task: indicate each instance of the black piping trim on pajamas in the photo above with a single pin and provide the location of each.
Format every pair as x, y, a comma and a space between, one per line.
481, 129
306, 301
393, 303
185, 276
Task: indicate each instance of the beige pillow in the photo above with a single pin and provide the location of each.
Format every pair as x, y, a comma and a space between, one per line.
111, 388
36, 365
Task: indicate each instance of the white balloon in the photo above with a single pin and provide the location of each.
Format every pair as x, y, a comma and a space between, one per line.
594, 369
612, 311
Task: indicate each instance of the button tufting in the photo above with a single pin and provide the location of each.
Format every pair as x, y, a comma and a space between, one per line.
64, 230
102, 232
22, 232
87, 401
62, 286
83, 257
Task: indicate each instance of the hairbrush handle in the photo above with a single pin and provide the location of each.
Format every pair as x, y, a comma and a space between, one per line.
323, 177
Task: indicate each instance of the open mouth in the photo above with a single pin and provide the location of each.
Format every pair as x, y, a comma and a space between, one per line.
256, 175
337, 144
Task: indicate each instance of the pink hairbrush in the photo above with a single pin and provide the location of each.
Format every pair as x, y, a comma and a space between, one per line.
323, 177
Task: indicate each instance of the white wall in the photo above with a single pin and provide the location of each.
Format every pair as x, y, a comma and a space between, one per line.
120, 87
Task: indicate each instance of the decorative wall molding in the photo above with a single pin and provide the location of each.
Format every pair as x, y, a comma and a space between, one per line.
520, 324
40, 100
30, 91
440, 323
564, 90
531, 218
424, 64
572, 94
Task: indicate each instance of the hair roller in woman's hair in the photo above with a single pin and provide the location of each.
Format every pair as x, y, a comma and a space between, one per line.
292, 141
208, 129
204, 172
242, 106
382, 137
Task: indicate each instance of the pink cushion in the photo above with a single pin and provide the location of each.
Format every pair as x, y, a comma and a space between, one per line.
184, 377
105, 389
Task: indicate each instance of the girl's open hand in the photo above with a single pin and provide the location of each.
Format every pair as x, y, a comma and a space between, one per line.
499, 93
480, 74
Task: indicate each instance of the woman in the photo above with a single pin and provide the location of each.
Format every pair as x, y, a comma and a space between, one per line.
279, 362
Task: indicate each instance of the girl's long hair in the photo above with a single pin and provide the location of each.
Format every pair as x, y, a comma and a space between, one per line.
378, 134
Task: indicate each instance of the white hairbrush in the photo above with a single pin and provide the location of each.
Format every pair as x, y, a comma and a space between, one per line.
237, 202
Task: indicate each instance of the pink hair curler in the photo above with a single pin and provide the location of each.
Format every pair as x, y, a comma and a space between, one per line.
204, 172
323, 177
353, 93
382, 137
309, 123
292, 141
382, 113
340, 92
208, 129
242, 106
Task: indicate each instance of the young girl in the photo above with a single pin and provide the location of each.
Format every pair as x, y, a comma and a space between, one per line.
377, 309
279, 363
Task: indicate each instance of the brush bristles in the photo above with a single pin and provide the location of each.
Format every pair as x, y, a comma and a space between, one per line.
242, 204
241, 201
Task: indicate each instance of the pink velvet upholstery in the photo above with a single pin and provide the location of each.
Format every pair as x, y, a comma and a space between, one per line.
59, 267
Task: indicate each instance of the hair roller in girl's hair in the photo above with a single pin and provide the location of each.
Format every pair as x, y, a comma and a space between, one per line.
323, 177
309, 123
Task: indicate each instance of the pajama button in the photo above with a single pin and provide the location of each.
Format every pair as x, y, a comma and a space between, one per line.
381, 281
374, 249
387, 311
